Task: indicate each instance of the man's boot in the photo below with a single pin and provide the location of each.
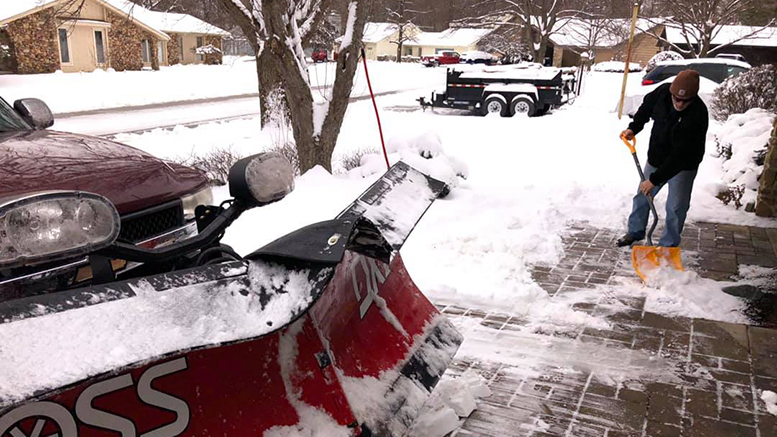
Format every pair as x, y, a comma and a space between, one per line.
625, 240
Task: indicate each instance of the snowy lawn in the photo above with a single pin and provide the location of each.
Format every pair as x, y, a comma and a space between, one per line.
528, 180
67, 92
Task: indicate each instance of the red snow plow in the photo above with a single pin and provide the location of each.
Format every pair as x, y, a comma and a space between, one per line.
320, 331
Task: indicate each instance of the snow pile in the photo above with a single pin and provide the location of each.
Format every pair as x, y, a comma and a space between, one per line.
615, 67
742, 143
685, 293
770, 399
450, 400
421, 150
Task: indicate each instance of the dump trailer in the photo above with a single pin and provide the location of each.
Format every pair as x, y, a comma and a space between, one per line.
527, 91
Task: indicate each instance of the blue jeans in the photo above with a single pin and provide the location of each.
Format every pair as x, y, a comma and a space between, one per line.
677, 204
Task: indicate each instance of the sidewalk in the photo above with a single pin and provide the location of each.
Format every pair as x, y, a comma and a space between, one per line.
649, 375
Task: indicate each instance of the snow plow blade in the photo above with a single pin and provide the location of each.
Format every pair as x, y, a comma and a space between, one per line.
321, 330
647, 259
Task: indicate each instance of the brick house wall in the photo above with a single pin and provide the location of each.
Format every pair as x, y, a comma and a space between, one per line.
34, 43
214, 58
173, 49
124, 43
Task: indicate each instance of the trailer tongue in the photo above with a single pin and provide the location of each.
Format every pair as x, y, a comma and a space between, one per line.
322, 328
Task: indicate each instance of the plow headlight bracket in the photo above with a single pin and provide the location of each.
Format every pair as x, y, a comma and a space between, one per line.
261, 179
53, 225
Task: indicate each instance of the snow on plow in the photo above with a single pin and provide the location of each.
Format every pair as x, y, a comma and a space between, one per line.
322, 330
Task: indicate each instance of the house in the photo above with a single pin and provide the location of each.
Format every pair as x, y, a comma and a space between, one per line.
43, 36
757, 44
380, 39
606, 40
457, 39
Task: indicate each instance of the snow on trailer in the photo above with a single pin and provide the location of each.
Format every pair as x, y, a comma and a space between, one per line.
506, 91
322, 329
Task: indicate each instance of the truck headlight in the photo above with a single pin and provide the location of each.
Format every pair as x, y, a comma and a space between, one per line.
54, 225
202, 197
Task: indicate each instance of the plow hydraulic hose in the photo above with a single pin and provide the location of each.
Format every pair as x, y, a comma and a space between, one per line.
375, 105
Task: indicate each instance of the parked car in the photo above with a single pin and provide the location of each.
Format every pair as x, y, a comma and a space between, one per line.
155, 199
714, 69
478, 57
734, 56
320, 56
442, 58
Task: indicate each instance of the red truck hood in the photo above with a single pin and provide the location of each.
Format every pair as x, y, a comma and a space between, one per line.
128, 177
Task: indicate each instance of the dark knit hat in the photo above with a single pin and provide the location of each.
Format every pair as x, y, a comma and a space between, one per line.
685, 85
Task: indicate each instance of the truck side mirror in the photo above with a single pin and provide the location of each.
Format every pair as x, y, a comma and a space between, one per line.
35, 112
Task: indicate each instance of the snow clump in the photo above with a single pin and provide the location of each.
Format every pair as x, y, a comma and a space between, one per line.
450, 400
422, 151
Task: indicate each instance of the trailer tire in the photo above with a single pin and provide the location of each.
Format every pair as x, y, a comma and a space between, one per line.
493, 104
522, 105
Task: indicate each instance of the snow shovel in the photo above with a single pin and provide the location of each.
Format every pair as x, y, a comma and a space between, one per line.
647, 259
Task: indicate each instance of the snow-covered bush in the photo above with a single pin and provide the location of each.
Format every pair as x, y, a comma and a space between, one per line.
742, 143
756, 88
350, 161
661, 57
615, 67
423, 151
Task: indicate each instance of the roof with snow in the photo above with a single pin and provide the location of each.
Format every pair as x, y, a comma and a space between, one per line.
577, 32
169, 22
160, 21
376, 32
735, 35
455, 37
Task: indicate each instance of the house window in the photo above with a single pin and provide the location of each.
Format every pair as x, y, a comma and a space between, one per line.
199, 44
145, 51
99, 46
64, 47
160, 51
180, 49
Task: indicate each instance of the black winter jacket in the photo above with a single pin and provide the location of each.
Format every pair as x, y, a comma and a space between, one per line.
678, 137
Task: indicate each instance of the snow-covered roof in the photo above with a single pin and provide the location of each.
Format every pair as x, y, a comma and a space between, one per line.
764, 38
455, 37
159, 21
376, 32
12, 8
168, 22
577, 32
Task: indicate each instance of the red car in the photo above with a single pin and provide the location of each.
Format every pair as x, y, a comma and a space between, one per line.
155, 199
442, 58
320, 56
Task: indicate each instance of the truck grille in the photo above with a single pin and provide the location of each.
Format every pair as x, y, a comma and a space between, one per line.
150, 222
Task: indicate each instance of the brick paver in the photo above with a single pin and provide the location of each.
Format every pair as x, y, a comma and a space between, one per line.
648, 375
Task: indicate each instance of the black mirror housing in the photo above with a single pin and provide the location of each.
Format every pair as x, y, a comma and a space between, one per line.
35, 112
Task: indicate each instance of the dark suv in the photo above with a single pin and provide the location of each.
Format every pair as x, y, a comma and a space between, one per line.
714, 69
155, 199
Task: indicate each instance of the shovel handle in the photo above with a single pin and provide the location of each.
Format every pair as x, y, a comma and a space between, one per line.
631, 145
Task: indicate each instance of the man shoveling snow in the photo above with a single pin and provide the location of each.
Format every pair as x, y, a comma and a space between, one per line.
676, 150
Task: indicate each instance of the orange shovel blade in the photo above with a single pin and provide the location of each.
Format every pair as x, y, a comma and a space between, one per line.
647, 259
